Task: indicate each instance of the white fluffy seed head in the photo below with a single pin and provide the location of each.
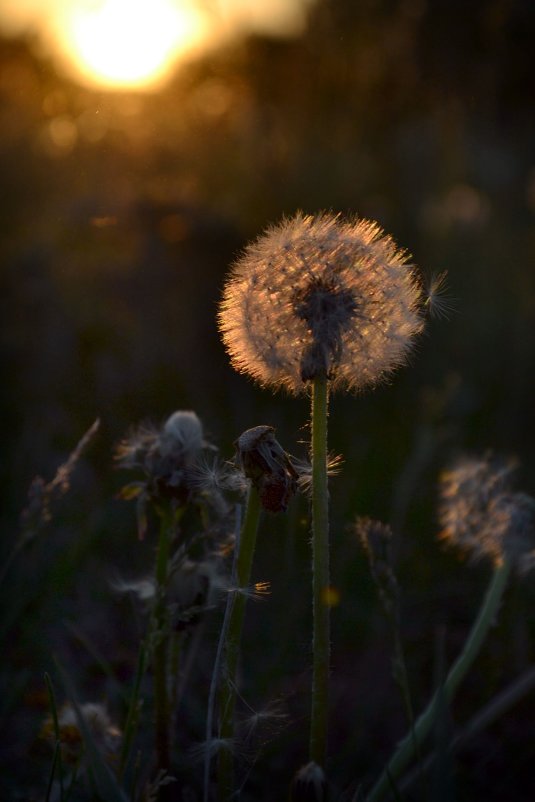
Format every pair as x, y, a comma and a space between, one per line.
321, 295
479, 512
182, 432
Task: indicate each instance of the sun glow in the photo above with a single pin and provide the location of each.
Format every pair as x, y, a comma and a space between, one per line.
129, 43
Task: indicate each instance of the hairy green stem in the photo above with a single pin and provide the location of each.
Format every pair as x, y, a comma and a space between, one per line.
227, 697
423, 725
320, 574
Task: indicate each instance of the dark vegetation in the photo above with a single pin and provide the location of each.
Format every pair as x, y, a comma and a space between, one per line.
119, 216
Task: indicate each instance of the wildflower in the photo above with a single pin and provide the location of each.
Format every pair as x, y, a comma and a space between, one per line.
480, 513
320, 297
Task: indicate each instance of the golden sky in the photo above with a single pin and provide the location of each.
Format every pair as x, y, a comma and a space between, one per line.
137, 43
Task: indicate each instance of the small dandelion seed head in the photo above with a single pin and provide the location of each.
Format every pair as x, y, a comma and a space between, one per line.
320, 296
182, 435
479, 512
105, 734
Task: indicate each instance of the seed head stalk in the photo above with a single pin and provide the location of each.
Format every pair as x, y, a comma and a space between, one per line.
320, 573
478, 633
227, 698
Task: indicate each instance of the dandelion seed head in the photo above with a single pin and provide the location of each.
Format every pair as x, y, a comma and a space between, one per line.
479, 512
182, 434
105, 733
320, 296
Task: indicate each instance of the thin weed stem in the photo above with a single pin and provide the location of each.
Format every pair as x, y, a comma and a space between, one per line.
227, 697
162, 711
57, 750
133, 710
320, 574
423, 725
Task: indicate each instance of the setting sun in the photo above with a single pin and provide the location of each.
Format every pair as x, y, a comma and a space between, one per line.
129, 43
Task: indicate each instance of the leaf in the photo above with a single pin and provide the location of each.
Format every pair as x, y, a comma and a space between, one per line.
131, 491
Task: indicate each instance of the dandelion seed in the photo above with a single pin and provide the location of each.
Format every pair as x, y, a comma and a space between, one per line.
303, 469
257, 592
319, 296
437, 302
309, 784
212, 749
480, 513
272, 717
144, 589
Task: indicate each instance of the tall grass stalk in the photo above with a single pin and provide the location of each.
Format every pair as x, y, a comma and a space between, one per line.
423, 725
320, 573
227, 697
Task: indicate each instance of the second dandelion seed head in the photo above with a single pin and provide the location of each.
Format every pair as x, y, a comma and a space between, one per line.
319, 296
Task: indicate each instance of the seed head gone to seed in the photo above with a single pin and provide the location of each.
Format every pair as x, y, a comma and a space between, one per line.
319, 296
479, 512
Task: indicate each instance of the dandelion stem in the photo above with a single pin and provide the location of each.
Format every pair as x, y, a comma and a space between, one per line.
227, 698
423, 725
320, 573
161, 690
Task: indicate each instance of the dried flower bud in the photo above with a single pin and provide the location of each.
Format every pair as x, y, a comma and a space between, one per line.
479, 512
320, 296
264, 461
309, 784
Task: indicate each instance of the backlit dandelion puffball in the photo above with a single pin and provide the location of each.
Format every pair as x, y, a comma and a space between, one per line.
319, 296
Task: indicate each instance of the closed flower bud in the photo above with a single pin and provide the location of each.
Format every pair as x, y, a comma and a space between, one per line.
264, 461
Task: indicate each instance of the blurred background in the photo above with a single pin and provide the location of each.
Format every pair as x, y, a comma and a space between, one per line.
141, 146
